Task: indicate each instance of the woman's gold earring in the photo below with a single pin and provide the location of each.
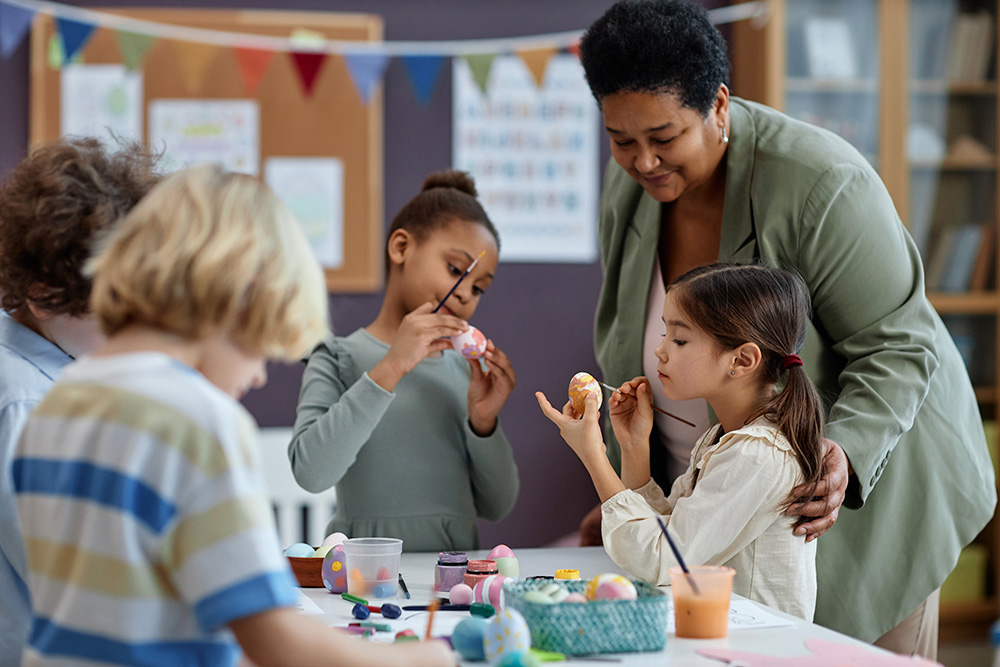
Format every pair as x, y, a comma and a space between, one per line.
725, 137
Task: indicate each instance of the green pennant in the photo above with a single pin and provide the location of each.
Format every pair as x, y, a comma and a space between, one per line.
133, 47
480, 64
56, 53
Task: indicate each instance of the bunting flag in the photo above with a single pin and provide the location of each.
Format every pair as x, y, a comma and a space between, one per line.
574, 48
366, 70
423, 72
307, 63
74, 35
14, 25
480, 64
252, 64
55, 52
193, 58
133, 47
537, 60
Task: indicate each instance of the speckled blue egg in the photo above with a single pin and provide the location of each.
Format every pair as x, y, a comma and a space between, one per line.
467, 638
300, 550
519, 659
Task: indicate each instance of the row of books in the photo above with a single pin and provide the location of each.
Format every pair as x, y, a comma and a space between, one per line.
949, 45
961, 258
971, 47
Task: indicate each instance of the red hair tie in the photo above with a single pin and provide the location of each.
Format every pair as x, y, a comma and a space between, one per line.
791, 360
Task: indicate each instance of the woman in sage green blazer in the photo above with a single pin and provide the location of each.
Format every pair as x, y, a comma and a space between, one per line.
698, 176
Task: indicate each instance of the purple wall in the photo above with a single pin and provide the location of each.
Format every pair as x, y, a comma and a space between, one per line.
540, 314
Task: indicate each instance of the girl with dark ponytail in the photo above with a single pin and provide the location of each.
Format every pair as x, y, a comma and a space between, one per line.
732, 333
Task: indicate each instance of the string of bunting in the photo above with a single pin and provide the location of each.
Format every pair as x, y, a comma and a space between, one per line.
366, 62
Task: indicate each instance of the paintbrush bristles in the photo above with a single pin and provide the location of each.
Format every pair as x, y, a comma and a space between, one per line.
660, 410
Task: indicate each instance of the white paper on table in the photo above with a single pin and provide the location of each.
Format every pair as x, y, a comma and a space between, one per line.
743, 615
222, 132
305, 605
101, 101
313, 188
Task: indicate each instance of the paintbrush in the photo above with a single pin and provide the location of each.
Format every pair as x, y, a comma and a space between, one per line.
660, 410
677, 555
459, 281
431, 608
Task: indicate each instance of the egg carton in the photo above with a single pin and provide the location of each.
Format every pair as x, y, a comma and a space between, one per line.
595, 626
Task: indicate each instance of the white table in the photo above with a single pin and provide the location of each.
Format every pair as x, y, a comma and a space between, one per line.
418, 572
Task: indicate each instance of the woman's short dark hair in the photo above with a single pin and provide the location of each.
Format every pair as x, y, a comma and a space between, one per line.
656, 46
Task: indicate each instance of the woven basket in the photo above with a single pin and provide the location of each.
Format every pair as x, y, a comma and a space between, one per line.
597, 626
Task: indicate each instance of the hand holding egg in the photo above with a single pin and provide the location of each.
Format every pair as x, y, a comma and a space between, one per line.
580, 386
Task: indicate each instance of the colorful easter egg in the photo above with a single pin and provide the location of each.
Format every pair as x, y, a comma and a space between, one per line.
500, 551
507, 633
467, 638
537, 597
299, 550
575, 597
610, 586
334, 539
321, 552
471, 343
335, 570
461, 594
519, 659
580, 386
490, 590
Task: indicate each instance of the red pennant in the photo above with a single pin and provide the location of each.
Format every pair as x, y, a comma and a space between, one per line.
574, 48
252, 64
308, 64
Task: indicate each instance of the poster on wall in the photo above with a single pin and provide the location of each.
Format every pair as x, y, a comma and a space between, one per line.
223, 132
313, 188
101, 101
534, 154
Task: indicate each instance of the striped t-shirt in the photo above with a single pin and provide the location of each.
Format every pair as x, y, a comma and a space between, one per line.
145, 516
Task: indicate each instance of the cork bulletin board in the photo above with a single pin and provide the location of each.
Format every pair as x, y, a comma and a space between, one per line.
331, 122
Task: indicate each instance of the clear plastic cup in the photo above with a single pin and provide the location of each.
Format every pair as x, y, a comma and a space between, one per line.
372, 566
705, 614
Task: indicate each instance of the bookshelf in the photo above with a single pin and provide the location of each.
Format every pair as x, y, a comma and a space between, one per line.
913, 85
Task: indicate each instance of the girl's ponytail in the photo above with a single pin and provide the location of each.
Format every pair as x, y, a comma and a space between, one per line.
797, 410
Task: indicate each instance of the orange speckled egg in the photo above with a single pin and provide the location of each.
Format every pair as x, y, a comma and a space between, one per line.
581, 385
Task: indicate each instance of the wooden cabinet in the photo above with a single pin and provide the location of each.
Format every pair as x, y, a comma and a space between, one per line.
913, 85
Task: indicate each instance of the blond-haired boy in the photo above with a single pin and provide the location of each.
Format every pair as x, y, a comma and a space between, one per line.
145, 515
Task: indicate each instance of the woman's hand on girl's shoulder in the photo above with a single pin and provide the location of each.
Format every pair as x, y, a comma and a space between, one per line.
489, 389
818, 506
420, 334
632, 418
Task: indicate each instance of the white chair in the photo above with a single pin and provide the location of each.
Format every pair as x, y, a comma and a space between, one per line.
288, 498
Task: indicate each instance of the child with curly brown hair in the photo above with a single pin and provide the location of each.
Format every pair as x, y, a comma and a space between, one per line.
52, 207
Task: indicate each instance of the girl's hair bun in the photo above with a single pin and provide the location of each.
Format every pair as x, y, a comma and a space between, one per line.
451, 178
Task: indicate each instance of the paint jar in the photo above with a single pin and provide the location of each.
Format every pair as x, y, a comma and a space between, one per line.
450, 570
567, 574
478, 570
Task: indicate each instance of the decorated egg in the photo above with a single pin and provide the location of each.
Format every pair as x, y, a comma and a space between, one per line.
490, 590
467, 638
507, 633
299, 550
500, 551
519, 659
575, 597
335, 570
610, 587
471, 343
334, 539
461, 594
321, 552
581, 385
537, 597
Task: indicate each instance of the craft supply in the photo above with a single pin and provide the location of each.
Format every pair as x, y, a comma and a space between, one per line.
461, 594
610, 586
506, 561
552, 656
402, 585
477, 570
335, 570
431, 608
406, 635
387, 610
359, 630
581, 386
354, 598
567, 574
383, 590
459, 281
373, 566
471, 343
508, 632
334, 539
705, 614
660, 410
360, 611
490, 590
467, 638
380, 627
481, 609
677, 555
441, 607
450, 570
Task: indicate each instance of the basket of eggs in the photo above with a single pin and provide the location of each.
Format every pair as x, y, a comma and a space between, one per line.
608, 614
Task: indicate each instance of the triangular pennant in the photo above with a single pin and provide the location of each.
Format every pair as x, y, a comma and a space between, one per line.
537, 60
133, 46
480, 65
252, 64
55, 53
193, 59
14, 24
366, 70
308, 63
423, 71
574, 48
74, 35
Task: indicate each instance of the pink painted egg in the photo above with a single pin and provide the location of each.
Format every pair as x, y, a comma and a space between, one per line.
580, 386
334, 539
471, 343
490, 590
461, 594
575, 597
615, 586
500, 551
